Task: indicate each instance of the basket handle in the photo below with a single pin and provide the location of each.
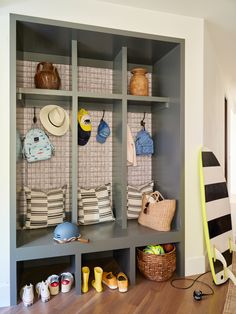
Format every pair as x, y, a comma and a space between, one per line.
157, 196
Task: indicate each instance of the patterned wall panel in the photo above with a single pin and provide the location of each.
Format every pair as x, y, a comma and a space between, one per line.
94, 159
46, 174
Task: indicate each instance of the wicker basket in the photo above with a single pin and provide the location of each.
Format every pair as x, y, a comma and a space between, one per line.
157, 267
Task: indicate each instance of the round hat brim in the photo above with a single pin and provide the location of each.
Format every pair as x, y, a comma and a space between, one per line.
58, 131
83, 136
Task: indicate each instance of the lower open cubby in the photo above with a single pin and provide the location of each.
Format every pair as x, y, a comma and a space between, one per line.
110, 246
36, 271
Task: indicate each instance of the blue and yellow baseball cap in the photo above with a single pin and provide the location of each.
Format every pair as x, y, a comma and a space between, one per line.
84, 120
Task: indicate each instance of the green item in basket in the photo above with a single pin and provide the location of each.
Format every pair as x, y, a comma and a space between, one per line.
154, 249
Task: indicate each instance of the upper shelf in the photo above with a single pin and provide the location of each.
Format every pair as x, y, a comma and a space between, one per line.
43, 92
88, 96
150, 99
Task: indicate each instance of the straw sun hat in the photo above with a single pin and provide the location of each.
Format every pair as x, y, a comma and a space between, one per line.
54, 119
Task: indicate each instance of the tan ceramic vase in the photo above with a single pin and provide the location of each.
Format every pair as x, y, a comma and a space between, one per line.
139, 82
47, 76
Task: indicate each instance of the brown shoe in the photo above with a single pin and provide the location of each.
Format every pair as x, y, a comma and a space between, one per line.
122, 281
109, 280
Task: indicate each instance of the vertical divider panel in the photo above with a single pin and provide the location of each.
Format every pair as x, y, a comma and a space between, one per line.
117, 73
119, 151
77, 271
168, 131
74, 128
13, 209
132, 262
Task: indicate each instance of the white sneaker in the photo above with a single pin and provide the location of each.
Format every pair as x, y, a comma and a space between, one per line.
67, 280
43, 291
53, 284
27, 295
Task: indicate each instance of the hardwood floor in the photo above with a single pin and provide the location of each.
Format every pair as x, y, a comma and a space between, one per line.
145, 297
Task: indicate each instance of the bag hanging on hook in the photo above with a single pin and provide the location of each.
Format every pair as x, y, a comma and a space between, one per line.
144, 142
36, 144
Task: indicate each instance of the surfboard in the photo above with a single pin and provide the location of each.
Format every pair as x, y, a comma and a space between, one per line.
216, 216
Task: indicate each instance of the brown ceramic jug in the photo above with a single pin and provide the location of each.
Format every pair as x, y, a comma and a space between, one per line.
47, 76
139, 82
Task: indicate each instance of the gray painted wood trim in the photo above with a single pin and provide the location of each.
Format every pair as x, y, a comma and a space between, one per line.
152, 99
74, 128
13, 274
46, 92
38, 57
100, 96
25, 18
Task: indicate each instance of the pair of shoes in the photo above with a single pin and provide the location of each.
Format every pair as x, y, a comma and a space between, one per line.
96, 283
27, 294
53, 281
120, 282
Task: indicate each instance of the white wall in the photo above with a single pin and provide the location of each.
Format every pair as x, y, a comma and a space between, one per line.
216, 88
214, 94
109, 15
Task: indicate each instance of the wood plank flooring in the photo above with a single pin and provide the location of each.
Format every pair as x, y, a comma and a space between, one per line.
145, 297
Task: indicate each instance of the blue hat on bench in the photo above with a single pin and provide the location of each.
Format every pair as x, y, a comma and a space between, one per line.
103, 132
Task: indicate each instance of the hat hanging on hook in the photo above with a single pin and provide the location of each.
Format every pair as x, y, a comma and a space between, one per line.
103, 130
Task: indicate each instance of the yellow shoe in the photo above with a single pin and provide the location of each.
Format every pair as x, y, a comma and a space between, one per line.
97, 283
122, 282
109, 280
85, 276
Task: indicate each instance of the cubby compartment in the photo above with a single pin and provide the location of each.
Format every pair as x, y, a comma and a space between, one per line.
45, 175
38, 270
114, 261
100, 77
100, 164
151, 55
33, 47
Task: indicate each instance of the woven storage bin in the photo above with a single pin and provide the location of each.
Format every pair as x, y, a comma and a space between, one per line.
157, 267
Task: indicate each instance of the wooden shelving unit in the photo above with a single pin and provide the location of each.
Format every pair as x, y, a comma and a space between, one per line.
76, 48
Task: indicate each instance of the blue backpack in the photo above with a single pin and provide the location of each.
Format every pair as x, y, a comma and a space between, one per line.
37, 146
144, 143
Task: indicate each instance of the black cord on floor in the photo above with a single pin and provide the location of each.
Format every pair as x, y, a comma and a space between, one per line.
193, 282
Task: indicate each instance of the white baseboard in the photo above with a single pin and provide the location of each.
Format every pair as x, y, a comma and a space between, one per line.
195, 265
5, 295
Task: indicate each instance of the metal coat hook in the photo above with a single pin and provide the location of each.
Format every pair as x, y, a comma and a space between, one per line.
34, 118
142, 121
103, 114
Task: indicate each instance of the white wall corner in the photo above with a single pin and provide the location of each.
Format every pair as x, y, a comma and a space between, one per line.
196, 265
5, 294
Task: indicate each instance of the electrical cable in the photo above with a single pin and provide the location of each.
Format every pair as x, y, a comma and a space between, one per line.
193, 282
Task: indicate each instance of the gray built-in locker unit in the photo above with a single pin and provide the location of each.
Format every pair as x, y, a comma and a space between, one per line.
94, 64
